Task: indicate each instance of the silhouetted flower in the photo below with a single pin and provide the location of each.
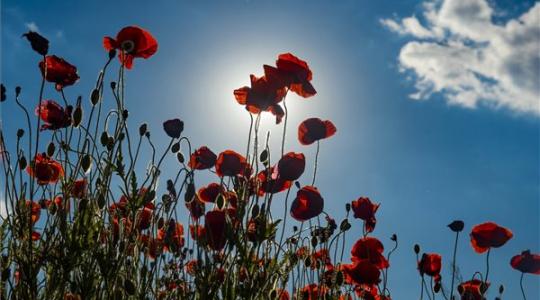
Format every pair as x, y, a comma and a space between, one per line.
267, 184
231, 163
214, 225
173, 128
80, 187
371, 249
456, 226
58, 71
38, 42
313, 292
132, 42
296, 74
472, 289
202, 158
263, 95
361, 272
430, 264
307, 204
45, 169
210, 192
35, 210
54, 115
314, 129
526, 262
195, 207
291, 166
489, 235
365, 210
144, 218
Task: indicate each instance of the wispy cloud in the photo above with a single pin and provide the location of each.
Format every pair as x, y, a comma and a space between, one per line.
458, 50
32, 26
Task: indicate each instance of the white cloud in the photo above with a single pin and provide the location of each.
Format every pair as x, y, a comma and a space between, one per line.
457, 50
32, 26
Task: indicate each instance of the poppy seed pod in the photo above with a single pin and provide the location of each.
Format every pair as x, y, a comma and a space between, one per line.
38, 42
456, 226
2, 93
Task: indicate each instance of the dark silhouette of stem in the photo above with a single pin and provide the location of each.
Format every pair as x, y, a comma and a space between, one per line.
521, 286
454, 266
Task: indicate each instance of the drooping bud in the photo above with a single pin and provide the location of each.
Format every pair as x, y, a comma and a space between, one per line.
38, 42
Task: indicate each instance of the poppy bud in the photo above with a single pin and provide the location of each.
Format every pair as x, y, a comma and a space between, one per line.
86, 163
112, 53
190, 192
393, 237
220, 202
437, 287
297, 184
77, 115
94, 97
295, 228
142, 129
125, 114
345, 225
501, 289
5, 274
180, 157
456, 226
339, 278
307, 261
113, 85
101, 201
51, 149
264, 156
20, 133
22, 162
104, 139
416, 248
314, 242
17, 91
173, 128
348, 207
38, 42
175, 147
255, 211
129, 287
3, 93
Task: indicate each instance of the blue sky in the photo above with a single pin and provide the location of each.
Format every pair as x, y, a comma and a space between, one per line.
449, 155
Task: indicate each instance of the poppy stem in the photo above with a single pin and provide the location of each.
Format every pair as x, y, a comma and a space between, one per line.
316, 162
487, 268
284, 127
521, 286
454, 266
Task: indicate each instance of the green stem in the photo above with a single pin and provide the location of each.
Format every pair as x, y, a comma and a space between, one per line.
521, 286
454, 266
316, 162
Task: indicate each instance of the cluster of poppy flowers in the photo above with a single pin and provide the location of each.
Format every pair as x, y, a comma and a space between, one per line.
136, 213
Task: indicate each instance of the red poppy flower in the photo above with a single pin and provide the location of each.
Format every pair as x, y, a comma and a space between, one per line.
126, 225
59, 71
314, 129
54, 115
526, 262
151, 246
196, 208
371, 249
202, 158
192, 266
281, 294
210, 192
35, 210
472, 289
45, 169
144, 219
197, 232
35, 236
214, 225
296, 74
133, 42
323, 257
263, 95
231, 198
231, 163
430, 264
291, 166
79, 189
489, 235
269, 185
307, 204
313, 292
365, 210
361, 272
